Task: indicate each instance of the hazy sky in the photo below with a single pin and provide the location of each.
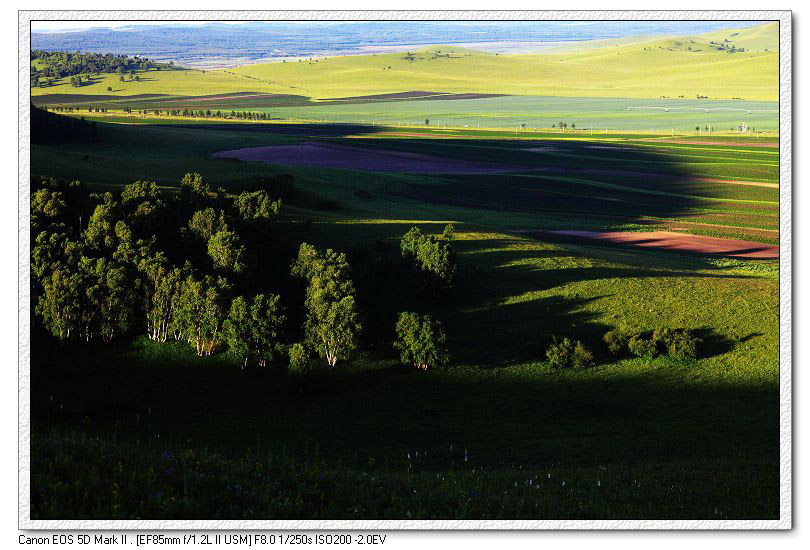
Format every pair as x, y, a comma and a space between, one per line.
45, 26
51, 26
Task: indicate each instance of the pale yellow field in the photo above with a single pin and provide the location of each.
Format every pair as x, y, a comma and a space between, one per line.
664, 67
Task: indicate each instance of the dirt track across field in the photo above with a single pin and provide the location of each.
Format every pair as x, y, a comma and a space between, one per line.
683, 242
729, 143
635, 174
314, 153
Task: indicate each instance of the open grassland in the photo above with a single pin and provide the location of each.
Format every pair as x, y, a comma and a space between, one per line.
176, 435
761, 38
624, 71
683, 67
177, 82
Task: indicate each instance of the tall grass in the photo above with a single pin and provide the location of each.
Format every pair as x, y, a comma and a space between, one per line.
81, 477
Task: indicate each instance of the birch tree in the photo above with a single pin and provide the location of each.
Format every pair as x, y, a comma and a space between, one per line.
332, 326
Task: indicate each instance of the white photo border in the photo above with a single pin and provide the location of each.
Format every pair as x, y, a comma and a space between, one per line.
785, 272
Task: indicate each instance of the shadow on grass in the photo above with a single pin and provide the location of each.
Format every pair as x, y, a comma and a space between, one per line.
516, 417
289, 129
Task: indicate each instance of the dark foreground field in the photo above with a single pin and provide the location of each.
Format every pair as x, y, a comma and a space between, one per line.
141, 429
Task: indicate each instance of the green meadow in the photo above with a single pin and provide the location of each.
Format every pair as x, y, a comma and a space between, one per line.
154, 431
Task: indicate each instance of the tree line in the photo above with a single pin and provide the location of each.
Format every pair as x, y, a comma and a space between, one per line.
189, 113
201, 266
59, 64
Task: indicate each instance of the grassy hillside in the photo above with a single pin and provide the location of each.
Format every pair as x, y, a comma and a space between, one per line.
178, 82
629, 437
760, 38
626, 71
650, 69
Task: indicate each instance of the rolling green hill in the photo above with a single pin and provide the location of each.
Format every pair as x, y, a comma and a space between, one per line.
760, 38
671, 67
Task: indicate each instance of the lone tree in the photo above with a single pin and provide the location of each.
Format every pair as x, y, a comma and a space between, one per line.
421, 342
331, 326
433, 256
252, 329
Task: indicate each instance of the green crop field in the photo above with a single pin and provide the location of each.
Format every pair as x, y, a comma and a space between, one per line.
515, 112
153, 430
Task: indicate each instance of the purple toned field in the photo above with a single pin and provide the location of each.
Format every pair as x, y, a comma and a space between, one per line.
313, 153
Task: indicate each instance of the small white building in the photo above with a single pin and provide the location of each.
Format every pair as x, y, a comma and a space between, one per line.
742, 127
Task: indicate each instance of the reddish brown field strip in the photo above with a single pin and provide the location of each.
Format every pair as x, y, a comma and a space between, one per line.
395, 95
411, 95
735, 182
631, 174
228, 96
681, 241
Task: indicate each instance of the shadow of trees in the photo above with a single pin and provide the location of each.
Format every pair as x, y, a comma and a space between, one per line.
509, 300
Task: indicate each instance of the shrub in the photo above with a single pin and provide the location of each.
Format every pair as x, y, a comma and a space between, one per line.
421, 341
299, 358
449, 232
680, 344
642, 347
582, 357
566, 353
617, 340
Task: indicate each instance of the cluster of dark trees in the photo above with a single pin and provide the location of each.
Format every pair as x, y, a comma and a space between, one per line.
55, 65
726, 46
563, 125
197, 266
208, 113
170, 263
